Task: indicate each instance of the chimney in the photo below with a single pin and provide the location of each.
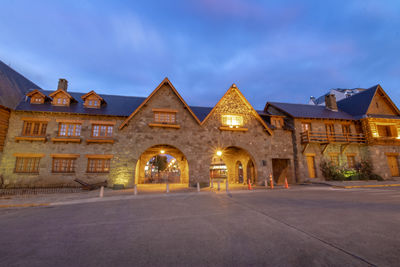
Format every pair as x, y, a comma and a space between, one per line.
330, 102
62, 84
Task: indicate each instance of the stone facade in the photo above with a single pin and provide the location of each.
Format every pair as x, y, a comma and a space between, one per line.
259, 148
195, 143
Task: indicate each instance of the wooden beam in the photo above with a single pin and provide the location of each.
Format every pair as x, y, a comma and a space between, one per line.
343, 148
324, 148
305, 148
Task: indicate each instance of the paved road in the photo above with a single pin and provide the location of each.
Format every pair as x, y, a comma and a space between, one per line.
304, 226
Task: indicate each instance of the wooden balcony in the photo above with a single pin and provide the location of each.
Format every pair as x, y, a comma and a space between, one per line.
325, 138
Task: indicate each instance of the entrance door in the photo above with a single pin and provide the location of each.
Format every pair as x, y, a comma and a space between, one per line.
393, 165
280, 170
311, 166
240, 172
251, 172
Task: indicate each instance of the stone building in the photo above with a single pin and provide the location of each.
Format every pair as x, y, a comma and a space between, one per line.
54, 137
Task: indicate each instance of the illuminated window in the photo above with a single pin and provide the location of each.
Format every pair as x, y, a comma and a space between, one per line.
34, 128
64, 165
69, 129
27, 164
165, 117
99, 130
305, 126
98, 165
232, 120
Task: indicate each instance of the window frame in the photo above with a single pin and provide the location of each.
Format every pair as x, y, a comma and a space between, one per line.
233, 117
41, 128
68, 126
164, 117
107, 133
71, 164
98, 165
28, 165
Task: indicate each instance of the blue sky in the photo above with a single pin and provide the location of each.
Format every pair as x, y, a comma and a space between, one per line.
282, 50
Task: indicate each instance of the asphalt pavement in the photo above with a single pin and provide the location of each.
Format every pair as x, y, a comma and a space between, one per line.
302, 226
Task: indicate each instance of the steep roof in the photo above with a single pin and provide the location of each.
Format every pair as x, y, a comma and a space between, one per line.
116, 105
310, 111
13, 86
358, 104
201, 112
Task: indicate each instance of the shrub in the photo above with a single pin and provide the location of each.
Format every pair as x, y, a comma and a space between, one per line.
362, 171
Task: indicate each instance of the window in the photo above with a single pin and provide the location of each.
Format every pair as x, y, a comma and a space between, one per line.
346, 129
99, 130
69, 129
165, 117
387, 130
232, 120
358, 127
27, 165
351, 161
92, 103
277, 122
306, 126
34, 128
64, 165
37, 100
98, 165
334, 159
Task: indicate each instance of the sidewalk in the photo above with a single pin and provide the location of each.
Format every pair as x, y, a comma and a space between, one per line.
144, 191
357, 184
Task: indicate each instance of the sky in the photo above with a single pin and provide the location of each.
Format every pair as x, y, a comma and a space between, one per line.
285, 51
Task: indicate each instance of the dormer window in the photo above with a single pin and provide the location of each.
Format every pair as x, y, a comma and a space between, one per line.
61, 98
92, 100
37, 97
232, 121
277, 122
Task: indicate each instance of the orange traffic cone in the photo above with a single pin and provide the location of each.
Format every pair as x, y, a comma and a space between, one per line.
249, 184
286, 184
271, 181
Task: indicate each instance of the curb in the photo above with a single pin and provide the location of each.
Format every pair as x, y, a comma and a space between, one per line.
26, 205
365, 186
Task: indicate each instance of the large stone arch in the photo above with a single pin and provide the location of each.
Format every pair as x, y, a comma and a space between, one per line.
154, 150
233, 154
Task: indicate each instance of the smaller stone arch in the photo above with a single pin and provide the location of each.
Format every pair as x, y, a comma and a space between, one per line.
149, 153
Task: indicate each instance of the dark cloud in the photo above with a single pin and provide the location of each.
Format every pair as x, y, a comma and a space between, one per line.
273, 50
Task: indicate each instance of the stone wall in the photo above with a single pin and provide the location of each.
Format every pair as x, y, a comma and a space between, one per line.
197, 142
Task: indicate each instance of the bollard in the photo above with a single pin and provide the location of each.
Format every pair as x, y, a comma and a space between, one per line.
167, 188
219, 185
227, 186
135, 189
271, 181
101, 191
212, 184
198, 187
266, 183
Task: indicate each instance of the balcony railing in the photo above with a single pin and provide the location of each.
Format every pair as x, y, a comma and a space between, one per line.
324, 137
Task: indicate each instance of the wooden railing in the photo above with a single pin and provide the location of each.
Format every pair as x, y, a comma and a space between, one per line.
324, 137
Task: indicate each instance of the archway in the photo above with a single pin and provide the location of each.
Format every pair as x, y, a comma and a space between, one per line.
235, 164
160, 164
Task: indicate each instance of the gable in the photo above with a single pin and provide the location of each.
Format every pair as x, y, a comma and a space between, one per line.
165, 88
233, 103
381, 104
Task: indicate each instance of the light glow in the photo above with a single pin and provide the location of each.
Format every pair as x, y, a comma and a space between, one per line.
219, 153
232, 120
162, 152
